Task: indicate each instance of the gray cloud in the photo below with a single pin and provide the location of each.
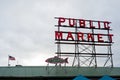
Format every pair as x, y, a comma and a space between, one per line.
27, 26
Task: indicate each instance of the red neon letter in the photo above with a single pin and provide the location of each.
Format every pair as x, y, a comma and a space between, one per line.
58, 35
70, 36
61, 20
106, 23
110, 37
100, 38
80, 35
82, 23
71, 22
99, 24
90, 37
91, 24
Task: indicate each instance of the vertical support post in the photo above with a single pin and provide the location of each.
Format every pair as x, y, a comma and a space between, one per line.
94, 50
8, 61
110, 50
58, 45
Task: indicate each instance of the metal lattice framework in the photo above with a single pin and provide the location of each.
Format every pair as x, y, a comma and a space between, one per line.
85, 53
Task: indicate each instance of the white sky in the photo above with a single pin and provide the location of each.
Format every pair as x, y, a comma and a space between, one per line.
27, 26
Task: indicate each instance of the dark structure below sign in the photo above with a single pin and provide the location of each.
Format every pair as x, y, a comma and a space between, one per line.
40, 73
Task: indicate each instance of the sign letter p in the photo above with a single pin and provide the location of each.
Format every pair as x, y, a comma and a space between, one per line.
61, 20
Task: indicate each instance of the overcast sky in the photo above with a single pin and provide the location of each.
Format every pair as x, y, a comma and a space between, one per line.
27, 26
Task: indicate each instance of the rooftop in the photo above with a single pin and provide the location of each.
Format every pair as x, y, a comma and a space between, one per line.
51, 71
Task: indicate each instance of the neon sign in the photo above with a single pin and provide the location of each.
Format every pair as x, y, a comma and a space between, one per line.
88, 41
83, 36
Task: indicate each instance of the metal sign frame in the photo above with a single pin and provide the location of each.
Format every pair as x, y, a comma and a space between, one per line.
85, 51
